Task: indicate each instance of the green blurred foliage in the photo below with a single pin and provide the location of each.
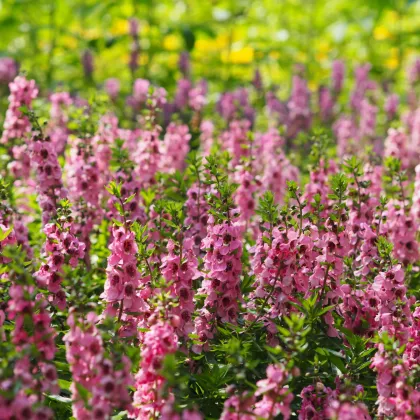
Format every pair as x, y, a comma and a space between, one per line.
227, 39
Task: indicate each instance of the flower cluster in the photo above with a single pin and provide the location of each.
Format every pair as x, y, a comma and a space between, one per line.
33, 373
180, 269
93, 372
398, 398
61, 247
149, 397
58, 131
175, 148
121, 292
219, 253
8, 70
222, 265
276, 398
197, 214
16, 124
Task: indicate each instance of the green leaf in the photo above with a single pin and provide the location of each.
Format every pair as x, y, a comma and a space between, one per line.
83, 392
6, 233
120, 416
60, 399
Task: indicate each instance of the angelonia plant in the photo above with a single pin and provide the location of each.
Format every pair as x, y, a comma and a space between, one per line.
189, 256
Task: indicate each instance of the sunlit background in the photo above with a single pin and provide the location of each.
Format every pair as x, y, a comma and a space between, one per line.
227, 40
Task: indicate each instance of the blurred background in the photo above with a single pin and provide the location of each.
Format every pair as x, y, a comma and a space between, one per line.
72, 43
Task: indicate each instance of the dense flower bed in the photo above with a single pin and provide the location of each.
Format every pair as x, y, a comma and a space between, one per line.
165, 256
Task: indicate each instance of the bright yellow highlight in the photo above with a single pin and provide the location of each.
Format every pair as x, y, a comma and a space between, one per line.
393, 60
172, 42
243, 56
120, 27
381, 33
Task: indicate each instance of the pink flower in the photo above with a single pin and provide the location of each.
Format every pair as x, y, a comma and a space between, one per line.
8, 70
175, 148
337, 76
222, 263
159, 341
112, 87
107, 385
179, 268
235, 140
